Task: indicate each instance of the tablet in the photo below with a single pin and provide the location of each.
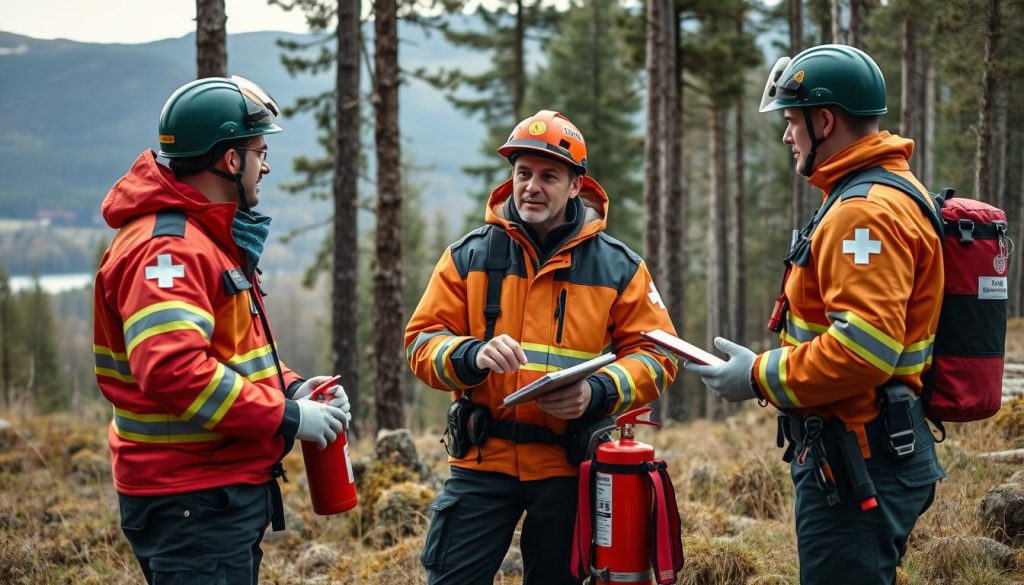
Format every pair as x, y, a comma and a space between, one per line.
556, 380
681, 347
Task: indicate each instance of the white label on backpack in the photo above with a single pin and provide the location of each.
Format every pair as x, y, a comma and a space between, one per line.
991, 287
603, 510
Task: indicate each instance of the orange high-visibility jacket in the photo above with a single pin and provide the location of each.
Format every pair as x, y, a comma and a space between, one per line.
592, 296
865, 308
179, 349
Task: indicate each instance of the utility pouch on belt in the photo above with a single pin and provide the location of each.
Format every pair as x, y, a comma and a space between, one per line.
897, 402
578, 434
466, 427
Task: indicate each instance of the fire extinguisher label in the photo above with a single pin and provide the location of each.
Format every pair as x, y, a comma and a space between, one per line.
603, 510
348, 464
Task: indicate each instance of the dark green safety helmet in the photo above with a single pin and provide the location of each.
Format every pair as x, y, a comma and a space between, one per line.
206, 111
823, 75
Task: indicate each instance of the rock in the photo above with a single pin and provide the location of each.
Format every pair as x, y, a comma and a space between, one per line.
318, 558
946, 558
8, 436
88, 467
398, 510
396, 447
1017, 477
1001, 513
512, 564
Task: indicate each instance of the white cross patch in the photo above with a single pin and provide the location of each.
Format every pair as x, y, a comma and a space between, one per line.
862, 246
164, 272
655, 297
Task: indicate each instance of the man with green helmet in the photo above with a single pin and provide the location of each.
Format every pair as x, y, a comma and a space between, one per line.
204, 408
857, 320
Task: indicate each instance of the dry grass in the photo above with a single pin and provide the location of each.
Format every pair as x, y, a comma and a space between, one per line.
59, 519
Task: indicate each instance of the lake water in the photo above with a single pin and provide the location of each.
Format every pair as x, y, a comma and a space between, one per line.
53, 283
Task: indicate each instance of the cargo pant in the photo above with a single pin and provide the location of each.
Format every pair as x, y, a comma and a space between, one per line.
475, 516
843, 545
207, 537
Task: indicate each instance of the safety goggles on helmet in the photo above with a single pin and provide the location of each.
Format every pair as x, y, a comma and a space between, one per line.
773, 90
260, 107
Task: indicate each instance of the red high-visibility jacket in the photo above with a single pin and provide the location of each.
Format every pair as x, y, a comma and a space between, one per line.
179, 347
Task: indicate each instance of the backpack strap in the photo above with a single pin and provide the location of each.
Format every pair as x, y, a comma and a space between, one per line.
666, 536
499, 259
582, 535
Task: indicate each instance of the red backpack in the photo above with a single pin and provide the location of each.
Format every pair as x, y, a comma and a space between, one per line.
965, 381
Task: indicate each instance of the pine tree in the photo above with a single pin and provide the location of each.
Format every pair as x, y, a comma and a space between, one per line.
587, 79
44, 379
211, 39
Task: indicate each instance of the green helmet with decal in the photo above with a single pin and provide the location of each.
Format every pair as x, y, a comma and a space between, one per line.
827, 74
207, 111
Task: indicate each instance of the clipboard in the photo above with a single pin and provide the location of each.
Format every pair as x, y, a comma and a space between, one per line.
556, 380
681, 347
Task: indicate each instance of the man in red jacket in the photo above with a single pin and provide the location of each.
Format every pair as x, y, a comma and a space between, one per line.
204, 409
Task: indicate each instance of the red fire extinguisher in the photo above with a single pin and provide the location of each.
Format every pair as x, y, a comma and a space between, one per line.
332, 484
627, 521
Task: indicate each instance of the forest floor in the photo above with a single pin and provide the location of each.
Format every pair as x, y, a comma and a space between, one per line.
59, 513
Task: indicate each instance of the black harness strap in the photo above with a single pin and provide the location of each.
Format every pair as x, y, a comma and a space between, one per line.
499, 260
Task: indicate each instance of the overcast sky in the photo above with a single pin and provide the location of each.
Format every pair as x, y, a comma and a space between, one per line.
134, 21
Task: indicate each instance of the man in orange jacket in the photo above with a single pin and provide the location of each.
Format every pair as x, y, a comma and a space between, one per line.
204, 409
568, 293
863, 291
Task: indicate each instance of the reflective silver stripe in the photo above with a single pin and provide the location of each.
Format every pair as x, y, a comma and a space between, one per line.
421, 339
774, 378
163, 316
439, 362
664, 352
795, 329
168, 429
624, 384
865, 340
109, 362
613, 577
915, 357
654, 366
550, 362
254, 365
209, 408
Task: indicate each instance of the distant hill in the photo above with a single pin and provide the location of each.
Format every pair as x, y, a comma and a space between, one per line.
73, 117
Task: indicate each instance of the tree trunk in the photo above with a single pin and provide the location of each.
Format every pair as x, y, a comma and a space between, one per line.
837, 22
388, 321
653, 153
982, 164
345, 276
739, 251
1020, 238
908, 54
927, 150
718, 271
1002, 137
675, 204
211, 39
856, 24
519, 79
798, 201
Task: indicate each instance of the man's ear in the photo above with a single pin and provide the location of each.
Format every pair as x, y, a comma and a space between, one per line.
230, 161
828, 122
576, 187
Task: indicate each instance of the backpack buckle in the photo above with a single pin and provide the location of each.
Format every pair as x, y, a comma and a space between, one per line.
966, 227
898, 419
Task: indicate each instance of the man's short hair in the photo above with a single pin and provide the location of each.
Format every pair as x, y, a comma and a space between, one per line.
193, 165
862, 125
574, 171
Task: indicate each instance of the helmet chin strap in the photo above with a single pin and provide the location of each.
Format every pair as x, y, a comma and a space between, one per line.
243, 201
808, 167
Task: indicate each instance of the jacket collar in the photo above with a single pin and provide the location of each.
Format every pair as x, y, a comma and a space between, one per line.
879, 149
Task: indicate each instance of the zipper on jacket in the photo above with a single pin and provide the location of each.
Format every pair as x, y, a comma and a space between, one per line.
560, 315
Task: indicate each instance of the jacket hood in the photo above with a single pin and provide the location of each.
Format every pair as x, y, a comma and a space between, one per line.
595, 202
879, 149
150, 187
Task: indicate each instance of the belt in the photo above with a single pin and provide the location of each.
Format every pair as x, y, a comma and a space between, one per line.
525, 433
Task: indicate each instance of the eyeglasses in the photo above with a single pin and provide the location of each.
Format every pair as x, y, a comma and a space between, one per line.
262, 152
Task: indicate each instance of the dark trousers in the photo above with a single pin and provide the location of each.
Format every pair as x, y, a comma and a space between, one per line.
843, 545
475, 516
207, 537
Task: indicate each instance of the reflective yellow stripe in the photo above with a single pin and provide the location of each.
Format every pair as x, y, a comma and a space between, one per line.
166, 305
573, 353
259, 351
115, 374
236, 389
122, 357
215, 379
162, 328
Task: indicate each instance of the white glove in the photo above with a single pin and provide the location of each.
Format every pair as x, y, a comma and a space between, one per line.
340, 399
731, 380
319, 422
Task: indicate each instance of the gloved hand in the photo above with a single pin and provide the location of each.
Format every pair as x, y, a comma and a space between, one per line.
319, 422
731, 380
340, 399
